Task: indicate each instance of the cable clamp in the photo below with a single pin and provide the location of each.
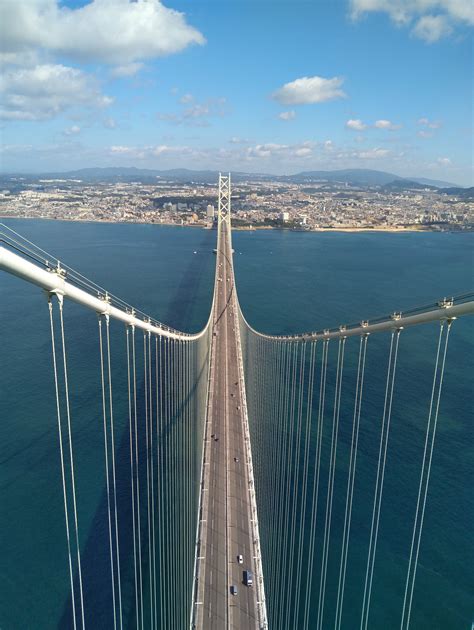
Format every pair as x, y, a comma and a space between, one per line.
364, 323
58, 270
446, 303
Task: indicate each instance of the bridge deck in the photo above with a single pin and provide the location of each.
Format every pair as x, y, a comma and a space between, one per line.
226, 509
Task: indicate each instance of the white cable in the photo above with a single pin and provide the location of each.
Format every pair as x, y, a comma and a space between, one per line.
316, 477
425, 491
106, 457
73, 483
307, 442
132, 476
147, 461
61, 452
114, 482
351, 480
137, 475
332, 471
384, 434
299, 418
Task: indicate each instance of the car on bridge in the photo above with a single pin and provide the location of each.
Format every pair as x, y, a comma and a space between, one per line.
248, 578
233, 590
240, 559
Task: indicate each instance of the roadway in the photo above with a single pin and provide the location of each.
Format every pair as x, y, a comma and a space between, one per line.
226, 511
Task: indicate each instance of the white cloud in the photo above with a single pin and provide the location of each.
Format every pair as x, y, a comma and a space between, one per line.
116, 32
72, 131
303, 152
433, 19
46, 90
308, 90
431, 28
197, 114
386, 124
237, 140
356, 124
287, 115
127, 70
265, 150
197, 111
431, 124
443, 161
372, 154
281, 152
110, 123
424, 134
151, 151
186, 98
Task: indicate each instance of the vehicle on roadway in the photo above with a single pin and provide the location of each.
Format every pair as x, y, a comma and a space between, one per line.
233, 590
236, 460
248, 578
240, 559
216, 438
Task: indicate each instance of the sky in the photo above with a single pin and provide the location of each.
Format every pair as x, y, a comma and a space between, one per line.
270, 86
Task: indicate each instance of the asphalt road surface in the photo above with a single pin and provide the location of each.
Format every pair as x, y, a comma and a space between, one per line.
226, 531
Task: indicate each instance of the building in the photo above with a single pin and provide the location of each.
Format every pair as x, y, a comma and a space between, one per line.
210, 212
284, 216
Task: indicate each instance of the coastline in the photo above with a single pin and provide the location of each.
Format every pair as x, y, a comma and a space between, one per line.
378, 229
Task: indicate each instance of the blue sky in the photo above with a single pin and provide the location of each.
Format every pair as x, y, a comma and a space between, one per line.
260, 86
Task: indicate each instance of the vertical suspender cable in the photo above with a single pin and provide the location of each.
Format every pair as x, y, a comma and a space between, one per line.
147, 462
274, 433
106, 449
168, 570
159, 476
423, 491
61, 452
316, 476
132, 474
296, 489
351, 479
114, 479
332, 470
384, 434
289, 422
307, 435
73, 483
152, 481
137, 474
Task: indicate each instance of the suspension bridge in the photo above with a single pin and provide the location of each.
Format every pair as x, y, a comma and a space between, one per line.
234, 442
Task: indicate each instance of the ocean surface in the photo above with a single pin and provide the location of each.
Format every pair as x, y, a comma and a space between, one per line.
287, 282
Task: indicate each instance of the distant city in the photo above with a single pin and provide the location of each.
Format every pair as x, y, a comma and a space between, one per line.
338, 200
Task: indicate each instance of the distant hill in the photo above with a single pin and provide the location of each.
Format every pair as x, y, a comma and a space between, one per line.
120, 173
357, 176
354, 177
407, 184
467, 194
361, 177
435, 182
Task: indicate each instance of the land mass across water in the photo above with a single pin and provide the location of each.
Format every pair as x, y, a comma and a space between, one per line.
352, 200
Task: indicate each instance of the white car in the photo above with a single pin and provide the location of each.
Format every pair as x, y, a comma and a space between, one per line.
240, 559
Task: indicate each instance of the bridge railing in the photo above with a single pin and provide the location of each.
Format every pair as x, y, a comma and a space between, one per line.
26, 260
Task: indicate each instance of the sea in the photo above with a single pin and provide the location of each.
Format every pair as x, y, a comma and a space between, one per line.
287, 282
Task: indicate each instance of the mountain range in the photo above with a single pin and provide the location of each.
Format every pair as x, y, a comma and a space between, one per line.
354, 177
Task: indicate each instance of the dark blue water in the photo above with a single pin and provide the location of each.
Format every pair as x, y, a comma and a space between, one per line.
287, 282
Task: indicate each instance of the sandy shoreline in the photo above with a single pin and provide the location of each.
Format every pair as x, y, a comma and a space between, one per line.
390, 230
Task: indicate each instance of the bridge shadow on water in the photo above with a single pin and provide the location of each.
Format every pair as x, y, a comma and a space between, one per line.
95, 554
